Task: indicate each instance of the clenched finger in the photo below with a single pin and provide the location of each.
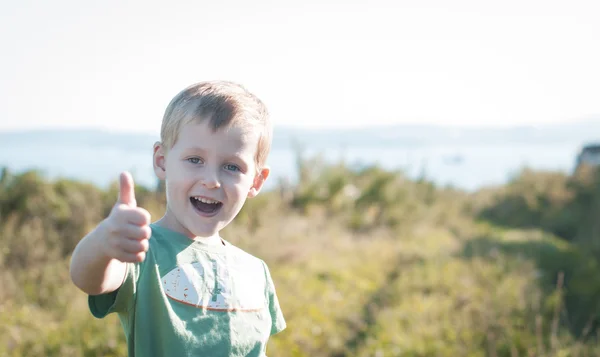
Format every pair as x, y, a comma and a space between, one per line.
134, 246
131, 258
132, 231
137, 216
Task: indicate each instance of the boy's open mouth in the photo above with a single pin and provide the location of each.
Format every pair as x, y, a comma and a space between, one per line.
205, 205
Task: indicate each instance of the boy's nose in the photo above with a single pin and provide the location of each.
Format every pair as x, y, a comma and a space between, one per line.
210, 180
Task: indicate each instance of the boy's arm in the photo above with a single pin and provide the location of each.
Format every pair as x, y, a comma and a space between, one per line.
98, 264
92, 270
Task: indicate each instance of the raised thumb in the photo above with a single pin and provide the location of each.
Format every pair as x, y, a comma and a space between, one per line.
126, 190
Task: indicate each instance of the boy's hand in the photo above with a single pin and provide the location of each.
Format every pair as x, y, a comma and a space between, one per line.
127, 226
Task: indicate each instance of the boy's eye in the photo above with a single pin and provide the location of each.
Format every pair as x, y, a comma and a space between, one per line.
194, 160
230, 167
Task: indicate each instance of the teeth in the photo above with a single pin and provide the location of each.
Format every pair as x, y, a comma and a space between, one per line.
205, 200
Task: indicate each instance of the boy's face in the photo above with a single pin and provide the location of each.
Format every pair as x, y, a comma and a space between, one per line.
208, 177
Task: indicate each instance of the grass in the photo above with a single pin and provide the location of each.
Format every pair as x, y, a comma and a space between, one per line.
366, 263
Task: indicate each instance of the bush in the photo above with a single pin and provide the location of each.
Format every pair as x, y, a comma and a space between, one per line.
366, 262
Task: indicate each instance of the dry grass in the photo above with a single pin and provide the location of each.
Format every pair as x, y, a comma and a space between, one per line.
365, 264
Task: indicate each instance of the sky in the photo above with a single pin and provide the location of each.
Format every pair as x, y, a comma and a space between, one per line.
116, 64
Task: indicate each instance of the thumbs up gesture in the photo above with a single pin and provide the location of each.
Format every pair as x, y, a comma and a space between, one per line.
127, 225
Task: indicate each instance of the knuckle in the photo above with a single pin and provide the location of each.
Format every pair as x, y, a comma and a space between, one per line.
140, 233
141, 256
135, 217
147, 232
144, 215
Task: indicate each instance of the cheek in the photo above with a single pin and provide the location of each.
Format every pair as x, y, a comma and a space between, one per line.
176, 169
239, 188
233, 180
178, 173
177, 187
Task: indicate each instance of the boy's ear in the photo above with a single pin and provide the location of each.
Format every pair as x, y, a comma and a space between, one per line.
159, 161
259, 180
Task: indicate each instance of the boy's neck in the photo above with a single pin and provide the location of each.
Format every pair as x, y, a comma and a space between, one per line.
215, 239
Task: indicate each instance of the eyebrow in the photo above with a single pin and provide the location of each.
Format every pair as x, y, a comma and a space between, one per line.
194, 149
230, 157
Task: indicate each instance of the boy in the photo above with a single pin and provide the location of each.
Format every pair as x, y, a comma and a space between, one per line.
178, 287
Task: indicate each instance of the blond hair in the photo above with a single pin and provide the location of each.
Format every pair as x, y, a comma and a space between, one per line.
223, 104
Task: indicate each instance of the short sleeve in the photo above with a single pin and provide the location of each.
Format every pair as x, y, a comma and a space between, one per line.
120, 300
278, 321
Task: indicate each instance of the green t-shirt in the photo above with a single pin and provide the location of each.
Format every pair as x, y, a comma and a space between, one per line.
192, 299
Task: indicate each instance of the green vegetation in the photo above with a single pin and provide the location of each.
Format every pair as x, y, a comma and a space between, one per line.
366, 263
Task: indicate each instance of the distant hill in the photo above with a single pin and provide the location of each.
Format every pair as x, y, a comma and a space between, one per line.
379, 136
424, 135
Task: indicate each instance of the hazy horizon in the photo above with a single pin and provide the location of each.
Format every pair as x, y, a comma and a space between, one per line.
292, 126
